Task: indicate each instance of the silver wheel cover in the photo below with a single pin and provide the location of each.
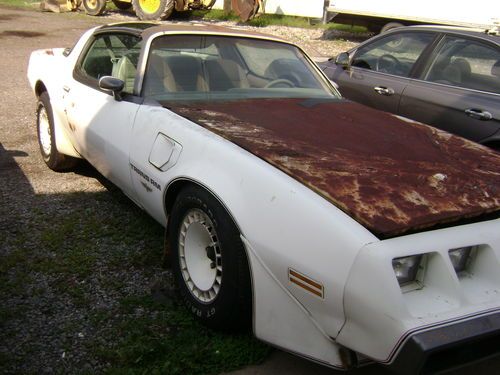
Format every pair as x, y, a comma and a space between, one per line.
200, 256
44, 131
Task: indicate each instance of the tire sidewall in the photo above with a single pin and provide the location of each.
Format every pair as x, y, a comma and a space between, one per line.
55, 160
229, 307
98, 10
163, 12
44, 103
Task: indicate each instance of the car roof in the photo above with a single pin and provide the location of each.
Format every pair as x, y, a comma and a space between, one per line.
148, 29
492, 34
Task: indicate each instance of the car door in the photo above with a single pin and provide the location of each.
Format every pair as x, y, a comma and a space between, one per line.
169, 71
101, 124
460, 90
379, 71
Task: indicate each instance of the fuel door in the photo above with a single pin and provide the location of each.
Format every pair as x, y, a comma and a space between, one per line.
164, 153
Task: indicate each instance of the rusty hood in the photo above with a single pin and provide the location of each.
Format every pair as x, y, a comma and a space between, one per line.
391, 175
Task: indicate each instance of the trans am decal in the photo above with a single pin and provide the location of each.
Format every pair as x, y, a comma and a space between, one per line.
146, 178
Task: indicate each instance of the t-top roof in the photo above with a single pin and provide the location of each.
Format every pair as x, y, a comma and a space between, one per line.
148, 29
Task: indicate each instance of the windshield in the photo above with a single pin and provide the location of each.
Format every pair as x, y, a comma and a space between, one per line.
194, 67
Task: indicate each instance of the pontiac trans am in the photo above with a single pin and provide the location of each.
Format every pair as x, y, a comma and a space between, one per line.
337, 232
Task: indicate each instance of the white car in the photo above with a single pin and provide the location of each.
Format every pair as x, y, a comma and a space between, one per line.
338, 232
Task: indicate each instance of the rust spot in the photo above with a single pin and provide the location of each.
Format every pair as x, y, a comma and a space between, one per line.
49, 52
389, 175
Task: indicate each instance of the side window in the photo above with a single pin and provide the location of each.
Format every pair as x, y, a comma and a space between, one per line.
114, 55
395, 54
466, 63
175, 65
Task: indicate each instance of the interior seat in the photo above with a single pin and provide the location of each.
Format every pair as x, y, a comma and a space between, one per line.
125, 70
456, 72
184, 73
223, 74
495, 69
464, 67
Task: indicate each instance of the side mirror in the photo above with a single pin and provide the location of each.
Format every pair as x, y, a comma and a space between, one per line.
115, 85
67, 51
343, 60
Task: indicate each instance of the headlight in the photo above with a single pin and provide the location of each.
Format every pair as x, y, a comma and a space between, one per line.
459, 257
406, 268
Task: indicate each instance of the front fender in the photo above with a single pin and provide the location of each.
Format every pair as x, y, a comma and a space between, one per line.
286, 225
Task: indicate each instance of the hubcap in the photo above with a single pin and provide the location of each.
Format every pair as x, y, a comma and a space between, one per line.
92, 4
44, 131
200, 256
149, 6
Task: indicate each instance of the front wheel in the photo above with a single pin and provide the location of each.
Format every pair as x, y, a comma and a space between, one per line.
153, 9
94, 7
47, 138
209, 261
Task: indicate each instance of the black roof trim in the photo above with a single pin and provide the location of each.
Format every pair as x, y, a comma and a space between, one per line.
135, 28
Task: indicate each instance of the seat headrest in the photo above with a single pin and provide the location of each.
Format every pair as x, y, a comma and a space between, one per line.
495, 69
464, 67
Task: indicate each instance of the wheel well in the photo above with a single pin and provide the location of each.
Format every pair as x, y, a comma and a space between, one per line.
40, 88
173, 191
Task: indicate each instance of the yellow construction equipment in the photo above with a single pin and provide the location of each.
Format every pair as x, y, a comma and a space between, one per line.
144, 9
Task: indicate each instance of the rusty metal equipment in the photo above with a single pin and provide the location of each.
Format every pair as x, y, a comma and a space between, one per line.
245, 9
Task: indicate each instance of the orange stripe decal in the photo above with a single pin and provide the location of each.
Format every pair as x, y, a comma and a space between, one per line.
305, 279
305, 283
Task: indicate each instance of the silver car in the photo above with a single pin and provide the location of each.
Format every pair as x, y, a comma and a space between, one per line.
442, 76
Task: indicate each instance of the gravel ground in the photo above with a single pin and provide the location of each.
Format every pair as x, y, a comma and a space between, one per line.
58, 303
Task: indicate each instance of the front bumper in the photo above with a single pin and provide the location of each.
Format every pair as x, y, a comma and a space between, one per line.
448, 347
447, 311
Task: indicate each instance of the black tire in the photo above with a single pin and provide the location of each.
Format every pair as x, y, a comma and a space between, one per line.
202, 5
162, 11
53, 158
94, 7
230, 308
390, 26
122, 5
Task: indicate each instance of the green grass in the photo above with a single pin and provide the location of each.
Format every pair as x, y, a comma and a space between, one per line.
90, 242
163, 339
20, 3
263, 20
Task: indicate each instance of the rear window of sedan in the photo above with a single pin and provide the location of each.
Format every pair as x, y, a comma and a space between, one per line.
467, 63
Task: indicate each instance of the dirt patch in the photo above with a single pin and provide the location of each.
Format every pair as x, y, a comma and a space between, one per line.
21, 33
8, 17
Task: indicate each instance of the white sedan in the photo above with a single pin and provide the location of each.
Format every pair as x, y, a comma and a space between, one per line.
337, 232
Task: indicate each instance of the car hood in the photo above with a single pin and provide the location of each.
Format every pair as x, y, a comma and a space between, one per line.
391, 174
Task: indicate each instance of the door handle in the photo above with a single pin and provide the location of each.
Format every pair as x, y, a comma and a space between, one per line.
478, 114
387, 91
